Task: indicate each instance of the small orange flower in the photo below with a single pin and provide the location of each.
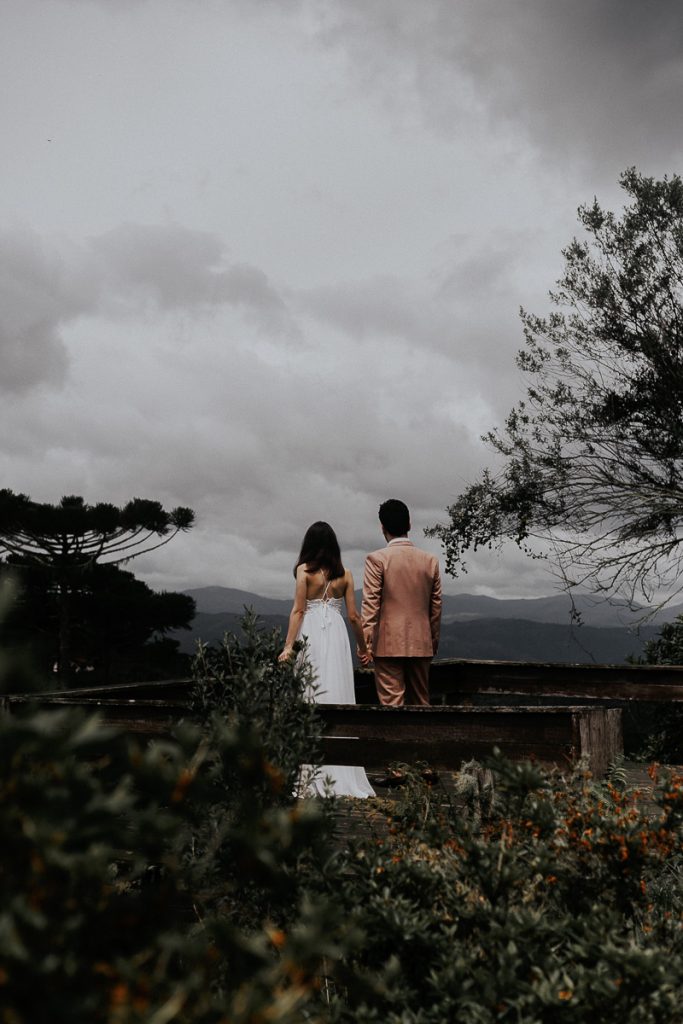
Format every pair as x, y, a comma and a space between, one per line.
277, 937
565, 994
119, 994
102, 967
182, 785
274, 775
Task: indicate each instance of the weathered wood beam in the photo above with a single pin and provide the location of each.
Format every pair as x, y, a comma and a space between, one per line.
455, 680
443, 737
375, 736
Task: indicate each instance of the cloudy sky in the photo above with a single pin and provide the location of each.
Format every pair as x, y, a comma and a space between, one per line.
265, 258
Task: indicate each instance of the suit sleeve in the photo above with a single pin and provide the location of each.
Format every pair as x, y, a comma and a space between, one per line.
373, 579
435, 609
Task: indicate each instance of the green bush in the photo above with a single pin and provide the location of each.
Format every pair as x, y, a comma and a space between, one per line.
241, 683
663, 739
563, 904
157, 883
241, 680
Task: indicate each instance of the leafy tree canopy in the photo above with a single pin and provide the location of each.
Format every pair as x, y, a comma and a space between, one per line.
76, 533
591, 460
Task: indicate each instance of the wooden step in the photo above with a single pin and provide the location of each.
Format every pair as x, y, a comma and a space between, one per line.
444, 737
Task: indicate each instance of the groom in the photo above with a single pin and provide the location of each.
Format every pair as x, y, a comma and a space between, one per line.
401, 611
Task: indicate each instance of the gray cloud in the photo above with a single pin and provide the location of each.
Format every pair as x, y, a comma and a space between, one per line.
46, 286
37, 297
465, 311
177, 267
597, 80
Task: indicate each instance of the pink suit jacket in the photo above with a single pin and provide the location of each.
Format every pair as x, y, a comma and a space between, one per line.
401, 609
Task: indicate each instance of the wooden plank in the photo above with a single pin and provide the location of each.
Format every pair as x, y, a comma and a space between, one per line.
456, 677
455, 681
147, 717
444, 756
601, 734
374, 736
156, 689
445, 736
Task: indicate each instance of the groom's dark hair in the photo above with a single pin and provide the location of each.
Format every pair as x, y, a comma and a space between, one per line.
394, 517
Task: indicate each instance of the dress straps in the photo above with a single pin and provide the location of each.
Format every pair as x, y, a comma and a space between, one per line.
327, 583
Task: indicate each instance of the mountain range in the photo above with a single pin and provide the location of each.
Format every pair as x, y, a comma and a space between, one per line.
473, 626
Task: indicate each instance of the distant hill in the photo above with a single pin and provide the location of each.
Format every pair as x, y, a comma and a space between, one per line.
555, 608
524, 640
227, 599
537, 629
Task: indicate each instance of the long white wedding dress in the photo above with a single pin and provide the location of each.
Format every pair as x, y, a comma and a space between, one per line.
329, 655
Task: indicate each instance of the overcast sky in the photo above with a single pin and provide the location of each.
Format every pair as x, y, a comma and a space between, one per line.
265, 258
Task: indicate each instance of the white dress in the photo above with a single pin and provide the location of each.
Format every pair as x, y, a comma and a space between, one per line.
329, 655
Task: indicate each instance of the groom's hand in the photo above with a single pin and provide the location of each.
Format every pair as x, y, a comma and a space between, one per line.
364, 657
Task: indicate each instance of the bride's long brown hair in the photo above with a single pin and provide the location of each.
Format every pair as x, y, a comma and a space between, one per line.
320, 550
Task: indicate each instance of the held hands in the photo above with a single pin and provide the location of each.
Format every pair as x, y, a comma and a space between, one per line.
364, 657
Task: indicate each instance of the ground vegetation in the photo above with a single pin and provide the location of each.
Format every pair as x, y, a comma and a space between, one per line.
183, 881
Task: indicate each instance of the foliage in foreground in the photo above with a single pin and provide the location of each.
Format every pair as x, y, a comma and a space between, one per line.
563, 904
182, 882
155, 883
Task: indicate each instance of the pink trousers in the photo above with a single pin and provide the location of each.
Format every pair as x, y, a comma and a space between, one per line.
402, 681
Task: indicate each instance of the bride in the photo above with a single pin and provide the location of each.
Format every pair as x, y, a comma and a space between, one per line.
322, 586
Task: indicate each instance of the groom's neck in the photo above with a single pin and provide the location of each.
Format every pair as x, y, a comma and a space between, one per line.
393, 536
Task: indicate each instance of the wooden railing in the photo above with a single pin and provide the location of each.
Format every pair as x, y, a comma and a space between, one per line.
476, 705
459, 680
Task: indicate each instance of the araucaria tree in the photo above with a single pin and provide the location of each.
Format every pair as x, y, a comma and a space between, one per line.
592, 458
69, 538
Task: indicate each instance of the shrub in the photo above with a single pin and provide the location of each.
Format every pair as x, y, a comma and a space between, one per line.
664, 720
564, 904
242, 681
157, 883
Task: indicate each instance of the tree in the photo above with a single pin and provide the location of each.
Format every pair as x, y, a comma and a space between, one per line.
663, 721
68, 539
118, 624
592, 458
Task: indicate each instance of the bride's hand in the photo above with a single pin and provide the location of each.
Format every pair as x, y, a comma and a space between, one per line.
285, 654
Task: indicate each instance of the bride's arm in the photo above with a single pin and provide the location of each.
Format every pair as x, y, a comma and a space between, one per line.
355, 622
296, 614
